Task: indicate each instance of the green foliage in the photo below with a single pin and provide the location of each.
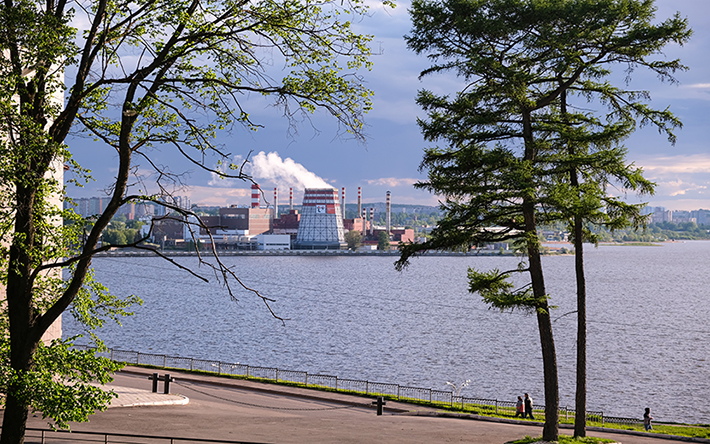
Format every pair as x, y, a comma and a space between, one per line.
565, 439
62, 385
498, 292
383, 241
139, 76
353, 239
515, 156
94, 305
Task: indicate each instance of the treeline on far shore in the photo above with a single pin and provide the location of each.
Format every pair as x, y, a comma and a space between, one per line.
655, 232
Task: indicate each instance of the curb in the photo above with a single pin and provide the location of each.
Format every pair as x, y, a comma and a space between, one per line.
313, 397
402, 411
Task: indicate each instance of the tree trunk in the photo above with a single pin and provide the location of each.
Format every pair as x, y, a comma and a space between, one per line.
14, 421
24, 338
580, 404
551, 429
580, 416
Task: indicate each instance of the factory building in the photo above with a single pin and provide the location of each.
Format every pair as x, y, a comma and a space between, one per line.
357, 224
318, 225
235, 220
288, 224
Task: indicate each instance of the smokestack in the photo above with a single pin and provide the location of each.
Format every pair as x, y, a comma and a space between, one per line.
364, 222
359, 201
342, 203
290, 198
389, 211
372, 221
254, 195
276, 203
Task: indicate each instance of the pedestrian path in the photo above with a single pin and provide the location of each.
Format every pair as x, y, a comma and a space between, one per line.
229, 409
133, 397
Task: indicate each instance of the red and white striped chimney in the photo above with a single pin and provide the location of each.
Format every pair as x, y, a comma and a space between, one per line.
372, 221
254, 195
342, 203
359, 200
364, 222
290, 198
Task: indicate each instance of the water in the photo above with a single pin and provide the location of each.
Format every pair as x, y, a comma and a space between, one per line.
356, 317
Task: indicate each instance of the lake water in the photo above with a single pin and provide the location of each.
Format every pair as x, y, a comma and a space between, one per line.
356, 317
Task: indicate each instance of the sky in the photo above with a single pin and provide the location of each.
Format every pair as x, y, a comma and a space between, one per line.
317, 154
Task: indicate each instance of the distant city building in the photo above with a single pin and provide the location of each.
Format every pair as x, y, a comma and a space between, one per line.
86, 207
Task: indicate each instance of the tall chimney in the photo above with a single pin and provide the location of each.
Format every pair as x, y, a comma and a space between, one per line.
290, 198
372, 221
389, 212
254, 195
342, 203
364, 222
276, 203
359, 201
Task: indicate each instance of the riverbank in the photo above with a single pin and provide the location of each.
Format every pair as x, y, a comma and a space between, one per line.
374, 253
231, 411
360, 318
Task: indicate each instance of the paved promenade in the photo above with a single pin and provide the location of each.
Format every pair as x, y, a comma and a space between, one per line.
237, 410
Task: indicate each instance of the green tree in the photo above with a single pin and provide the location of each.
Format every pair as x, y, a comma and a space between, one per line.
624, 34
115, 237
140, 75
354, 239
383, 241
511, 144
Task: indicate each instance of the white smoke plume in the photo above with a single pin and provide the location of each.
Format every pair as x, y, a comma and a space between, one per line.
284, 173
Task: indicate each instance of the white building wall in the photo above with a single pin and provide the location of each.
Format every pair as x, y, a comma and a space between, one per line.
273, 242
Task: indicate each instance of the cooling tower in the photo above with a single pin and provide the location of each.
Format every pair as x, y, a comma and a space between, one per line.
321, 225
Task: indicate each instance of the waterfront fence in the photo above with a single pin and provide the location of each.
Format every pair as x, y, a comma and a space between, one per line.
394, 391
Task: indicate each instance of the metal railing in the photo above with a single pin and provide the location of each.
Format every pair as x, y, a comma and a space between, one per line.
45, 436
393, 391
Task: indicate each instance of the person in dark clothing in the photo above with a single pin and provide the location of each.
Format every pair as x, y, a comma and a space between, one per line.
528, 407
647, 419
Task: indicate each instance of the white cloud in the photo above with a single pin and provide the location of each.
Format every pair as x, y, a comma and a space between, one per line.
392, 182
698, 86
214, 196
682, 164
679, 188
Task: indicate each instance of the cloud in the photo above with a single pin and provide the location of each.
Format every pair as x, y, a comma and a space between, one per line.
213, 196
679, 188
392, 182
682, 164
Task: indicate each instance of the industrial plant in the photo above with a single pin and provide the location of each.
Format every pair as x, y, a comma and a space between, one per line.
320, 224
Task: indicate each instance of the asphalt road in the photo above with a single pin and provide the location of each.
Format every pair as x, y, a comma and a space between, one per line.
268, 413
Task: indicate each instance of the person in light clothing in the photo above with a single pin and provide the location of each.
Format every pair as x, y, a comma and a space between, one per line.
520, 407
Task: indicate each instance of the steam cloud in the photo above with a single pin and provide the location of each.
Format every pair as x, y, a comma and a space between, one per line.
284, 173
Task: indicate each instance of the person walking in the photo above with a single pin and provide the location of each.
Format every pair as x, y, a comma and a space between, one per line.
520, 408
647, 419
528, 407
